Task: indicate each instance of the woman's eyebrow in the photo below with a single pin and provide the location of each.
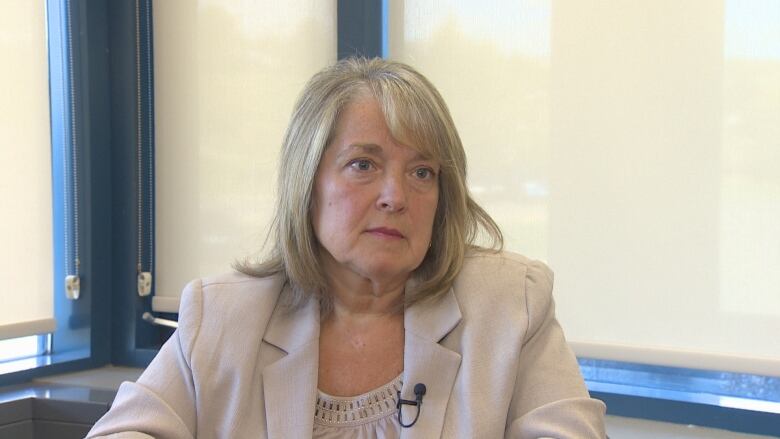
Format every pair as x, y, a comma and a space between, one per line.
368, 148
420, 157
376, 150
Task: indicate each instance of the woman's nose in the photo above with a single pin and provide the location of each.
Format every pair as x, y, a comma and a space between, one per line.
393, 196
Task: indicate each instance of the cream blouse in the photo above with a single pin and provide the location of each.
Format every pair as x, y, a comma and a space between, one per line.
370, 415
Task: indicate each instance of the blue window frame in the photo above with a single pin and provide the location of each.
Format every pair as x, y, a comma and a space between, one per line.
133, 341
360, 28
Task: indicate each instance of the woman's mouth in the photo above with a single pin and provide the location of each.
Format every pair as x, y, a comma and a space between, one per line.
386, 232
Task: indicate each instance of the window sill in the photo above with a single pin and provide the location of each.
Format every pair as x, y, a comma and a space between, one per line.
735, 402
26, 369
51, 410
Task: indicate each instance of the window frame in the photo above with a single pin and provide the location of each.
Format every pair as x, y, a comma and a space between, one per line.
134, 342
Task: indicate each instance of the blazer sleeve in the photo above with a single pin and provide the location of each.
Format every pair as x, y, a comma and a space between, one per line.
161, 404
550, 398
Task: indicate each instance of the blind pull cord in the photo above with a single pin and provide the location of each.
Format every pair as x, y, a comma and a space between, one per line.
144, 279
72, 265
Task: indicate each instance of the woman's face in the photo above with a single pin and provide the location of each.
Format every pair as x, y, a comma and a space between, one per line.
374, 199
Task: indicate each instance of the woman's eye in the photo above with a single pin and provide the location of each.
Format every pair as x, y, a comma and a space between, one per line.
361, 165
423, 173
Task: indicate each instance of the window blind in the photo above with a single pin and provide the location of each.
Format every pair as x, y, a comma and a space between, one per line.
226, 77
634, 146
26, 262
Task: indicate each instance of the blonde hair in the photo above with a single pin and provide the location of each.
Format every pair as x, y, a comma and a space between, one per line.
416, 116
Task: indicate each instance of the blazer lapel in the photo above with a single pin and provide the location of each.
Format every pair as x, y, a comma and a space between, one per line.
428, 362
290, 384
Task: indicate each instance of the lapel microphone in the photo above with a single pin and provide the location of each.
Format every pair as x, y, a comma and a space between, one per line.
419, 392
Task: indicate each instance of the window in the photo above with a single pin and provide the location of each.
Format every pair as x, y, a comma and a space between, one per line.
633, 147
65, 230
26, 263
20, 348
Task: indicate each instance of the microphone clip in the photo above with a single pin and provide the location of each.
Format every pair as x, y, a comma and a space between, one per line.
419, 392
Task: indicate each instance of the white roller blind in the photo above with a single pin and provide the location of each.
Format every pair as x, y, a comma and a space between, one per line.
26, 298
635, 146
226, 76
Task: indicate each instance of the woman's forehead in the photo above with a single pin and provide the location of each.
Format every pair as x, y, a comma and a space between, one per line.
361, 113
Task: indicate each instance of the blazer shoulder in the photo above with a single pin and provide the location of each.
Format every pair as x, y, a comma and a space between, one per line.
228, 294
504, 264
507, 278
238, 280
229, 291
227, 303
237, 285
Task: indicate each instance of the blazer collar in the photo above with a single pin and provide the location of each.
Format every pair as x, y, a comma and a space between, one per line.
433, 320
289, 330
290, 384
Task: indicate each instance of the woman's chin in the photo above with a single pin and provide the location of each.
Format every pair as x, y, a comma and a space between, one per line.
387, 271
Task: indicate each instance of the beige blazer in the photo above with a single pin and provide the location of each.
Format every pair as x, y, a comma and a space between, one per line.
490, 352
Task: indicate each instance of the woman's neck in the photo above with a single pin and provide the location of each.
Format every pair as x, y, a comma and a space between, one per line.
358, 299
363, 296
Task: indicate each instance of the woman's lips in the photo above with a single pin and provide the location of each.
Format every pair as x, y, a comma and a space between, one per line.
386, 232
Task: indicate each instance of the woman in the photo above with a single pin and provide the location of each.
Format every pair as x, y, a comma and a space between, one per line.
374, 291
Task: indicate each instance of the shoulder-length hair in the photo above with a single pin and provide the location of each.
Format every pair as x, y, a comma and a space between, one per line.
417, 117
